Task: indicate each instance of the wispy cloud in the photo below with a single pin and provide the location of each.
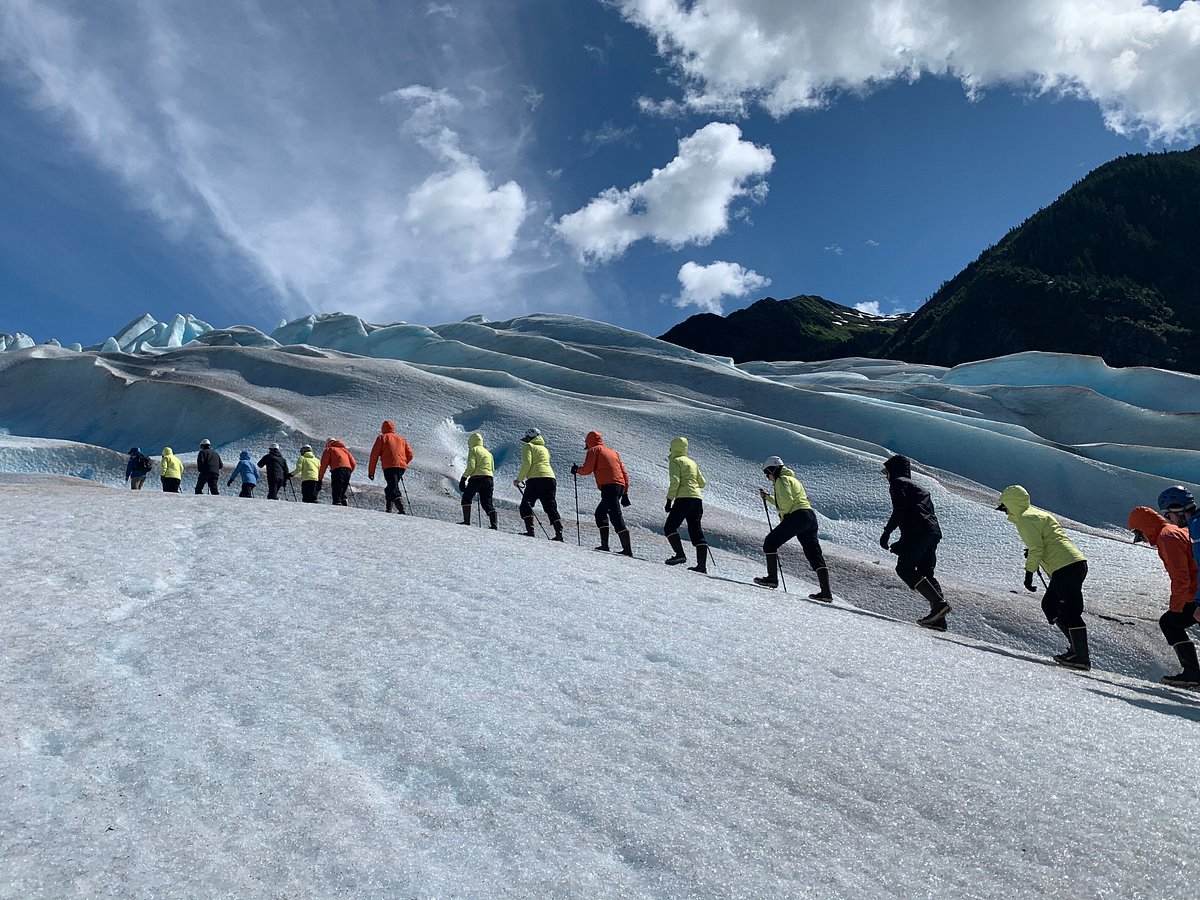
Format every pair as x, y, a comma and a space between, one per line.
871, 243
706, 287
1138, 62
441, 9
256, 141
532, 96
687, 201
835, 249
608, 133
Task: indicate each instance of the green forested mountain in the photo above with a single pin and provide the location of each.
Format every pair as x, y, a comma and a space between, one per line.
1111, 268
804, 327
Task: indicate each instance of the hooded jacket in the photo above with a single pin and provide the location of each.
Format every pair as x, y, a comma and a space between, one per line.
208, 461
686, 478
131, 463
535, 460
1174, 546
171, 467
479, 459
912, 507
789, 495
390, 449
276, 465
1048, 545
307, 467
603, 462
246, 470
336, 456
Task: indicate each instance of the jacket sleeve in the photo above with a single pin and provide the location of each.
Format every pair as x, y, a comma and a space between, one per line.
129, 466
353, 464
262, 463
324, 465
1181, 566
589, 461
376, 451
700, 482
624, 474
220, 464
474, 463
673, 484
1031, 533
408, 454
526, 461
901, 503
773, 496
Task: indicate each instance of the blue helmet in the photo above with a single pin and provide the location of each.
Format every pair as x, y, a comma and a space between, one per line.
1177, 497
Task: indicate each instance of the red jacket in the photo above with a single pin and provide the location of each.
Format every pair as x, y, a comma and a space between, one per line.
1174, 549
392, 449
336, 456
604, 462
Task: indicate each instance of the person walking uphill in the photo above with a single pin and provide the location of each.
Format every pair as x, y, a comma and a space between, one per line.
137, 468
684, 503
1048, 547
396, 455
920, 533
208, 468
796, 520
309, 469
1174, 546
170, 471
604, 463
540, 484
341, 463
247, 471
478, 480
276, 467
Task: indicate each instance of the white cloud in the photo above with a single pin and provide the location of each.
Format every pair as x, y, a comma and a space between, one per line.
871, 243
608, 133
264, 149
532, 96
706, 286
685, 202
835, 249
871, 307
1138, 62
441, 9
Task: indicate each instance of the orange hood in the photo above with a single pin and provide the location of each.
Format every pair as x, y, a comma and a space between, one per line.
593, 439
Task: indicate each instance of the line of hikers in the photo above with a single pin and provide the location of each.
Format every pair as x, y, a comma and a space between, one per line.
1175, 532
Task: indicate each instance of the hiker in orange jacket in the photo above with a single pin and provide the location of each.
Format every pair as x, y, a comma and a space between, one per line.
341, 461
394, 452
1174, 546
612, 479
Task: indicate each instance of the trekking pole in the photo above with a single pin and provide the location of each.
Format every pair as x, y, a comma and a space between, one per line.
1043, 578
293, 487
778, 557
578, 537
478, 511
407, 498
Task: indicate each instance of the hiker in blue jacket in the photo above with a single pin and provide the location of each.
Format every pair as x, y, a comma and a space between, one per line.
137, 468
248, 472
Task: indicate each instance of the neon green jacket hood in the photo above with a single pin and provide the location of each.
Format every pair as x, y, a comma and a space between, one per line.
790, 495
535, 460
686, 478
479, 460
1049, 547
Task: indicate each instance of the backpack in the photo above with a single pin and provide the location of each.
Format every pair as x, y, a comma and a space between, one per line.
143, 463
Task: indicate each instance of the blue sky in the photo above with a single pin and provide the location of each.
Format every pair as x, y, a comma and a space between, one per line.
634, 161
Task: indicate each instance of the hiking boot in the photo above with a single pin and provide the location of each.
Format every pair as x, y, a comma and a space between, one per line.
701, 565
494, 519
677, 546
558, 535
626, 547
1077, 657
1190, 676
823, 594
767, 582
466, 511
603, 539
771, 579
938, 607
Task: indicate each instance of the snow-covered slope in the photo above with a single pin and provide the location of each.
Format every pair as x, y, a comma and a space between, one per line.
226, 698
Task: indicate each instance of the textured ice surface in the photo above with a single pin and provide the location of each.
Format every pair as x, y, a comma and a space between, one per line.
213, 697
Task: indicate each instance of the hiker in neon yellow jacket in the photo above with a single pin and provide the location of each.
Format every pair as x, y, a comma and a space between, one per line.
478, 480
170, 471
685, 503
796, 520
308, 467
540, 483
1047, 547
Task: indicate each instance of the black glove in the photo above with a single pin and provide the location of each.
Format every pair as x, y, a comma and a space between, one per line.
1029, 582
574, 469
372, 477
462, 485
883, 539
667, 508
625, 500
1026, 551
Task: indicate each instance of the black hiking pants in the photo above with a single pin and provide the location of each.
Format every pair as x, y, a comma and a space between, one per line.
541, 490
247, 490
690, 510
392, 491
339, 481
916, 558
1063, 601
802, 525
609, 509
1174, 625
483, 487
274, 486
170, 485
309, 491
207, 478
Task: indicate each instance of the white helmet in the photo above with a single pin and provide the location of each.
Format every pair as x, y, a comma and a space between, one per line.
772, 462
206, 443
531, 434
273, 447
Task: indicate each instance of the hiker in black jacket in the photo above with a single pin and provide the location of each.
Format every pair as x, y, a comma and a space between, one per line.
277, 469
208, 468
916, 551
